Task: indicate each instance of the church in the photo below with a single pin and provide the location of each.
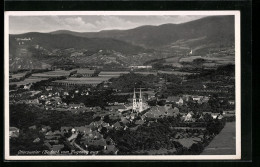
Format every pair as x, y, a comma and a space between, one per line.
138, 104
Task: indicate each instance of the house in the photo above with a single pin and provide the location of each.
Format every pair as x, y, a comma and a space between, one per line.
173, 99
207, 112
33, 101
197, 99
50, 95
158, 111
231, 102
215, 115
180, 102
93, 142
132, 116
122, 108
37, 140
220, 117
13, 132
75, 106
33, 127
48, 88
56, 132
54, 148
229, 113
168, 106
124, 120
119, 108
188, 117
205, 99
57, 94
170, 112
28, 86
117, 125
173, 112
66, 93
104, 124
111, 149
139, 122
143, 117
65, 129
73, 136
109, 141
43, 97
57, 147
45, 128
100, 142
96, 124
83, 129
95, 135
125, 127
149, 115
52, 135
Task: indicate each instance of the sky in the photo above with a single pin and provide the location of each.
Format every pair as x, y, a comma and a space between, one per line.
90, 23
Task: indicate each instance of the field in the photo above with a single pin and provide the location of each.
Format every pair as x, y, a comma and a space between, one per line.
18, 75
146, 73
82, 81
112, 74
224, 143
175, 72
36, 77
30, 80
84, 71
56, 73
209, 60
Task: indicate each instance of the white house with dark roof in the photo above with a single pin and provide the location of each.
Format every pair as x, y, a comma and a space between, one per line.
13, 132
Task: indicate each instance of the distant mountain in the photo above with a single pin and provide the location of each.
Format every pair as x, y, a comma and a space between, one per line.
41, 50
213, 29
210, 36
65, 41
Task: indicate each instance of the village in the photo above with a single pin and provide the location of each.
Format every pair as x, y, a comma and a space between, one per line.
114, 111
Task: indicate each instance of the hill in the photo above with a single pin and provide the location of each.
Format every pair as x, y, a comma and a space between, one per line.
40, 50
65, 41
213, 29
211, 38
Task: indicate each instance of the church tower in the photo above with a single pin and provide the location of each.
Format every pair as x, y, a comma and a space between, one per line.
134, 102
140, 102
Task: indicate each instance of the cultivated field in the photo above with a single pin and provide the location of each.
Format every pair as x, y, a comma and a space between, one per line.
175, 72
216, 60
30, 80
90, 80
18, 75
56, 73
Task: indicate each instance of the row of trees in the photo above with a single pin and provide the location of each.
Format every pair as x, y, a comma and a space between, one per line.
128, 82
23, 116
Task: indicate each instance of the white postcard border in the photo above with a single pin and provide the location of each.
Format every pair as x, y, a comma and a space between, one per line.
236, 13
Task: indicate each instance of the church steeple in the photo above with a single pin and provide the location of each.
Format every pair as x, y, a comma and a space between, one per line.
140, 96
134, 94
140, 101
134, 102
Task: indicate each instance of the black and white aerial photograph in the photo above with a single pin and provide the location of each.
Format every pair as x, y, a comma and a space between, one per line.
122, 85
